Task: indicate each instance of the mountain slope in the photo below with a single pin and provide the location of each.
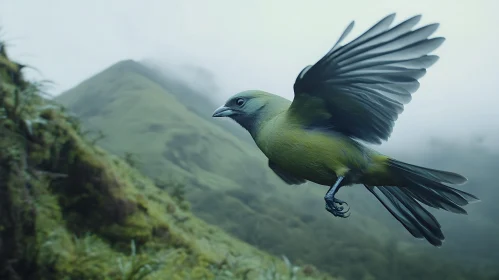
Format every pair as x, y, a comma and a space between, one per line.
69, 210
169, 127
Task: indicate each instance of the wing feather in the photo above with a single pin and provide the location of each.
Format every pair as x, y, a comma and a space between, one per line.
366, 83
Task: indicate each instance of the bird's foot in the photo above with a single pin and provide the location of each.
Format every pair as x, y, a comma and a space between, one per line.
334, 206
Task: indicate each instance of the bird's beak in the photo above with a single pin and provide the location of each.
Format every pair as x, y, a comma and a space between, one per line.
223, 112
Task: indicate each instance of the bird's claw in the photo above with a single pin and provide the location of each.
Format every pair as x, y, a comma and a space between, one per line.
334, 207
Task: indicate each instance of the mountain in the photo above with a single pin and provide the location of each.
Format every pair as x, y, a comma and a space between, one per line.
153, 114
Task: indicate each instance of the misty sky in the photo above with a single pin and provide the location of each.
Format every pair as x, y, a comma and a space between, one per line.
264, 45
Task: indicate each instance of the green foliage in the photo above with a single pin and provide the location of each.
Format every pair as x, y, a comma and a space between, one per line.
131, 159
69, 210
177, 191
97, 136
228, 184
272, 273
138, 267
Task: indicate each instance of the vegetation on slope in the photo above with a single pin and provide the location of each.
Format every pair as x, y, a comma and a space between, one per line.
166, 125
69, 210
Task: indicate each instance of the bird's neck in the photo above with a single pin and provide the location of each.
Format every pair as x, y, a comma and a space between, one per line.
250, 124
256, 122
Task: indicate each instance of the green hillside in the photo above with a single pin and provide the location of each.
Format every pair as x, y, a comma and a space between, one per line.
69, 210
167, 126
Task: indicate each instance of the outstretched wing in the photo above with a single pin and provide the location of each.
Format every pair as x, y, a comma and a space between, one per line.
360, 88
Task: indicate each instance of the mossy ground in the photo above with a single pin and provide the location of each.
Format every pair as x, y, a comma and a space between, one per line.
69, 210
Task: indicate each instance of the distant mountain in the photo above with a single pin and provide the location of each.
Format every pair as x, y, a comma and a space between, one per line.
138, 114
152, 113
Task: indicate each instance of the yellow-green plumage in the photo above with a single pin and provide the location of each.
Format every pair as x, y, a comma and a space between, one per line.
313, 155
353, 94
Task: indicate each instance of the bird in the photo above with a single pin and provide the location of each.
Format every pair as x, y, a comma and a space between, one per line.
345, 102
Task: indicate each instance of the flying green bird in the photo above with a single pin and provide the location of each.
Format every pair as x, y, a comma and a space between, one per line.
352, 95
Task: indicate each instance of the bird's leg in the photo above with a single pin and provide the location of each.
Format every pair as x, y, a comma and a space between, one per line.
333, 205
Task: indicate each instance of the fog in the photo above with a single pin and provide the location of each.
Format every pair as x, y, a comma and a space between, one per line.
264, 45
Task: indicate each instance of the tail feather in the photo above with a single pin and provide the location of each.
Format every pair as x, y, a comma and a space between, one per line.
417, 220
443, 196
434, 200
431, 174
414, 185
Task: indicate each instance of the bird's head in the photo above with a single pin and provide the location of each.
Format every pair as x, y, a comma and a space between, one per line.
249, 108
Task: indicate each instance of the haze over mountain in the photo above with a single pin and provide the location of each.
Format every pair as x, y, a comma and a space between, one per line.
150, 111
257, 44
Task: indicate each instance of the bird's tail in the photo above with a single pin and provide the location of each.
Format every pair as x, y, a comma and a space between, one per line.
414, 185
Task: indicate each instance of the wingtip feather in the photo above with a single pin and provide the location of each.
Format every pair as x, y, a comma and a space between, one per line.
343, 35
457, 179
475, 201
418, 17
433, 59
438, 41
390, 16
388, 19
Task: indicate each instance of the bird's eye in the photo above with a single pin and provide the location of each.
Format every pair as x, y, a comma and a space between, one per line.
240, 102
